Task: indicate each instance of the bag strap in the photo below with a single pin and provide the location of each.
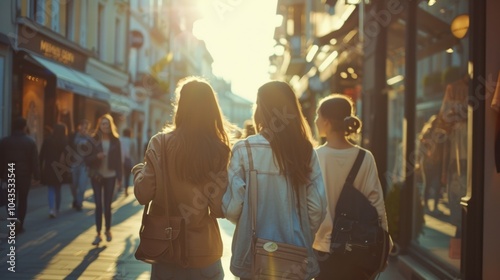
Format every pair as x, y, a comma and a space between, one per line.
253, 189
162, 176
163, 162
355, 168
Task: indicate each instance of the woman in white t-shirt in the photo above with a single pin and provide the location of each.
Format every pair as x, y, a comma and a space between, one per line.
336, 121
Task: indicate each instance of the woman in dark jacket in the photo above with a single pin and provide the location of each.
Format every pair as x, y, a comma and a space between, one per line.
105, 169
52, 163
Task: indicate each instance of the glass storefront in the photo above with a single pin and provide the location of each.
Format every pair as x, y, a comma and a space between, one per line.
64, 109
33, 106
440, 155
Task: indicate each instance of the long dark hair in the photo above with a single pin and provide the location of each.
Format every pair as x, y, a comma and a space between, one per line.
199, 144
278, 117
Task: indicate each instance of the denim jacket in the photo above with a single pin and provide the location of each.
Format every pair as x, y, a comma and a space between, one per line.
277, 214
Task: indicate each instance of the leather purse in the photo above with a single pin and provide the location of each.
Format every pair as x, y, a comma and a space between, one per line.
271, 259
162, 237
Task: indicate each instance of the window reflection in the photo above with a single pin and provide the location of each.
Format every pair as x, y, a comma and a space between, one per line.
441, 123
441, 128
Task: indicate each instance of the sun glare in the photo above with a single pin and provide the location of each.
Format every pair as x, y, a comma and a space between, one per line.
238, 34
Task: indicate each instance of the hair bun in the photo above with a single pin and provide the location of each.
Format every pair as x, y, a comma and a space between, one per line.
351, 124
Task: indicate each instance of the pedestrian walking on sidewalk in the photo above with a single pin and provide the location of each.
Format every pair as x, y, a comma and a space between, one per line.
80, 144
336, 121
105, 170
54, 167
129, 155
19, 156
291, 197
196, 153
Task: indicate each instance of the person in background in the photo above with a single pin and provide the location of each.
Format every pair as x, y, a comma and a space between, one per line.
53, 166
80, 144
196, 153
336, 121
291, 194
105, 170
431, 159
148, 137
248, 129
129, 154
19, 156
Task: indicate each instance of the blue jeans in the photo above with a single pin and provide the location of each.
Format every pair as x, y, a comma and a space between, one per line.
103, 189
171, 271
54, 197
80, 182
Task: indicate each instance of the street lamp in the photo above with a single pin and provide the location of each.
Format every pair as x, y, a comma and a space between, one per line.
460, 25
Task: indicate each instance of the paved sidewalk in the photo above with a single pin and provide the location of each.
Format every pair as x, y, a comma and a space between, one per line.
61, 248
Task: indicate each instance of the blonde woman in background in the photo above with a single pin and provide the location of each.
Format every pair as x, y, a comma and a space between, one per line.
105, 170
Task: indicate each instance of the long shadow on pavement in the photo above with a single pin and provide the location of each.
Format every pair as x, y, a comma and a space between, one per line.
54, 247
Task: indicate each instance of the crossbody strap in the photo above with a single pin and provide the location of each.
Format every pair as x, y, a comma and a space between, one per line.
355, 168
253, 189
166, 179
162, 186
352, 175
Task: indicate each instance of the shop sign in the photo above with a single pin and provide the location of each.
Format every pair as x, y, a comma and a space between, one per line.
56, 53
53, 50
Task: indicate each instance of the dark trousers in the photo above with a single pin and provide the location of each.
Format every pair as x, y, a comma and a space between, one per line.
432, 183
103, 196
332, 266
127, 169
22, 191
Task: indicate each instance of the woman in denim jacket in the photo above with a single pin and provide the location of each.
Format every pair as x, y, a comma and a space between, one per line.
291, 195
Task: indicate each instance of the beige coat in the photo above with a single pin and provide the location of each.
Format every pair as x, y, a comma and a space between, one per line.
200, 205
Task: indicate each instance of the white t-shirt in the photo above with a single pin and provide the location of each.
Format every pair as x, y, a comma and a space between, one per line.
335, 165
103, 168
128, 149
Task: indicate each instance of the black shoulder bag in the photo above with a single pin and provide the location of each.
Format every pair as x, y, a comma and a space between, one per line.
357, 234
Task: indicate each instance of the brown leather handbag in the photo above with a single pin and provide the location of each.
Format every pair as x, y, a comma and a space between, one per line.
271, 259
162, 237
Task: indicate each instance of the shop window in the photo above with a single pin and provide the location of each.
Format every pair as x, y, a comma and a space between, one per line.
64, 109
439, 165
33, 106
441, 129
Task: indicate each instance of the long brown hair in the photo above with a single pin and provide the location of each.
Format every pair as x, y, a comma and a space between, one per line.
200, 144
278, 118
113, 130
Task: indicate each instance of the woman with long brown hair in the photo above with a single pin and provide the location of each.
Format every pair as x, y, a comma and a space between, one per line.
291, 199
196, 151
105, 169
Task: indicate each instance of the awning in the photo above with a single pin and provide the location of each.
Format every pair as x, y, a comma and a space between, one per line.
74, 81
352, 22
120, 104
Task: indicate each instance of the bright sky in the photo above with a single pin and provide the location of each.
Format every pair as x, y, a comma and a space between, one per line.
239, 36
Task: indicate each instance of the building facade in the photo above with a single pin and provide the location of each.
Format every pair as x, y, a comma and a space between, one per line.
424, 75
59, 66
